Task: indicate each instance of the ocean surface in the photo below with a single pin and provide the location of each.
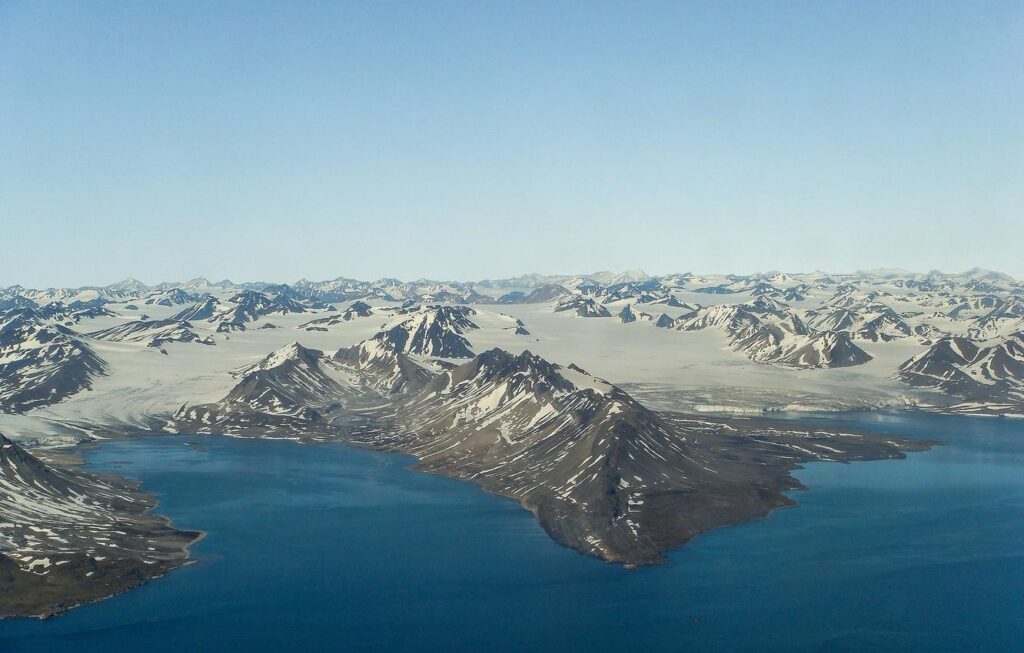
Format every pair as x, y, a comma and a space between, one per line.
325, 548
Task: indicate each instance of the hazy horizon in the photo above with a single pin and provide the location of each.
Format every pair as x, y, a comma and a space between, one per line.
466, 141
240, 280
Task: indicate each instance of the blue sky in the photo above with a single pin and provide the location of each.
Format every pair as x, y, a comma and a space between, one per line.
485, 139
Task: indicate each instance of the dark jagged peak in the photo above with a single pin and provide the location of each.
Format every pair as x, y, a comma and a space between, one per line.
250, 298
292, 354
766, 304
1002, 361
837, 319
976, 306
16, 301
377, 365
90, 313
673, 302
545, 294
576, 450
283, 304
129, 285
357, 309
1012, 309
154, 333
663, 321
512, 395
764, 289
172, 297
929, 333
796, 293
732, 317
988, 378
514, 297
40, 363
74, 312
283, 392
204, 309
249, 305
297, 293
826, 349
580, 306
720, 289
842, 299
462, 296
886, 326
642, 292
518, 327
53, 311
431, 331
627, 315
940, 364
523, 372
768, 332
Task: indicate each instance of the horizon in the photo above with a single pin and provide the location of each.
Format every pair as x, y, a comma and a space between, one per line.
255, 140
885, 271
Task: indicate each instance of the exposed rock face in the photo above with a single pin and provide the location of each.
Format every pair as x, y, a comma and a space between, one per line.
431, 331
172, 297
154, 333
604, 474
386, 371
71, 537
987, 378
40, 363
280, 394
580, 306
664, 322
357, 309
202, 310
767, 331
825, 349
545, 294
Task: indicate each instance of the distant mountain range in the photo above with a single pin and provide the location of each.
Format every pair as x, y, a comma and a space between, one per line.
814, 320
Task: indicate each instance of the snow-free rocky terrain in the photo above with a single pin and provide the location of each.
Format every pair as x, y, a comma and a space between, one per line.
624, 410
70, 537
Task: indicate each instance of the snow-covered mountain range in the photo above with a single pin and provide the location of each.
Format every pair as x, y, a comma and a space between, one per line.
873, 323
578, 396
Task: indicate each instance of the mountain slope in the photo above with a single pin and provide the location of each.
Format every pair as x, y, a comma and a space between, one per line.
154, 333
604, 474
41, 364
431, 331
71, 537
284, 393
986, 378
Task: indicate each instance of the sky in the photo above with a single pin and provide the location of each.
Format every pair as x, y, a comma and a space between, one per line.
470, 140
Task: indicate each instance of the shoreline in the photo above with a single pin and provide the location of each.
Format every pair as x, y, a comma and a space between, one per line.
777, 485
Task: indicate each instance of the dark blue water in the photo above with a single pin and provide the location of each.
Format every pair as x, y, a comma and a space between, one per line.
325, 548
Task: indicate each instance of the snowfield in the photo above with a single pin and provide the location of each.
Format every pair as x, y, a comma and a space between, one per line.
716, 366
